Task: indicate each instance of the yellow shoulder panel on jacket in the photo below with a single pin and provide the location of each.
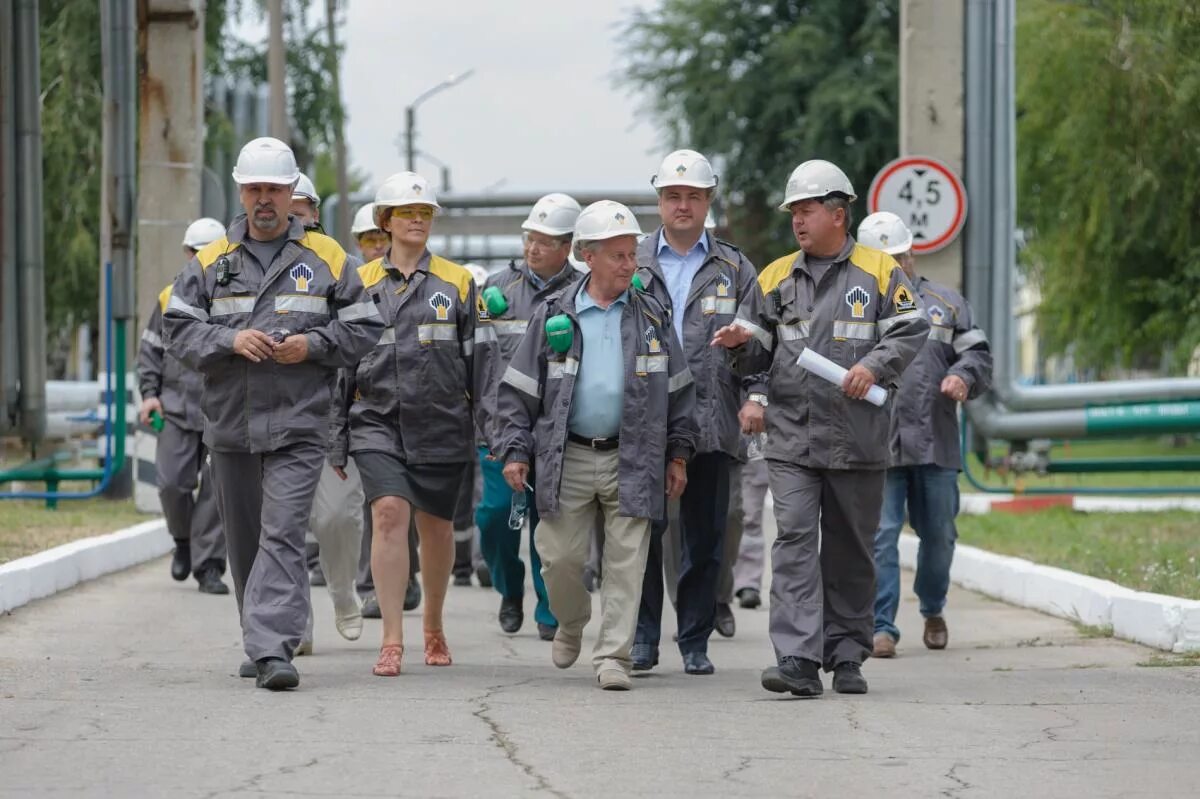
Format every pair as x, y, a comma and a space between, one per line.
453, 274
164, 297
371, 273
209, 253
327, 250
876, 263
770, 278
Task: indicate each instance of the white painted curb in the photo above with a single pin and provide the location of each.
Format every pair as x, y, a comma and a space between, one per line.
1165, 622
45, 573
977, 503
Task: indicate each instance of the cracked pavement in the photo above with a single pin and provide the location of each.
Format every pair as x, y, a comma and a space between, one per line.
126, 686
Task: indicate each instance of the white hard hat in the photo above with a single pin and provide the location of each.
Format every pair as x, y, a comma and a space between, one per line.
403, 188
364, 220
305, 190
813, 180
885, 231
554, 215
202, 232
479, 274
605, 220
266, 160
582, 266
710, 222
685, 168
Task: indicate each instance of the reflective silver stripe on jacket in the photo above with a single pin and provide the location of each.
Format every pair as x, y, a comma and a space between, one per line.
969, 339
437, 332
152, 338
884, 325
359, 310
556, 370
764, 338
485, 333
522, 382
859, 331
794, 332
645, 364
228, 306
713, 304
510, 327
942, 334
192, 311
680, 380
303, 303
388, 337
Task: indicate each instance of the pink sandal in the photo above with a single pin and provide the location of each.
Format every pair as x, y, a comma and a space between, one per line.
437, 653
388, 664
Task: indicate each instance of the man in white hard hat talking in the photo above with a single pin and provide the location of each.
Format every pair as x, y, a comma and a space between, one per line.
599, 403
171, 393
511, 297
955, 365
268, 313
826, 446
700, 281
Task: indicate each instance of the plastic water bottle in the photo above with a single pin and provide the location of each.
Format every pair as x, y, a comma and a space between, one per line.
518, 510
756, 447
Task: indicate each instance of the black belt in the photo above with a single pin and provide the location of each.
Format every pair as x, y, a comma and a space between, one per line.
594, 443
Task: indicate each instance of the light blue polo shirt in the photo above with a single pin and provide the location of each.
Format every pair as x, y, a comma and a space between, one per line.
600, 384
679, 271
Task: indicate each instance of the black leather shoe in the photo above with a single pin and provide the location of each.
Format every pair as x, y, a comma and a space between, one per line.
412, 597
316, 577
795, 675
276, 675
181, 561
589, 580
210, 581
725, 624
512, 615
462, 579
248, 670
483, 576
546, 631
697, 663
848, 679
370, 607
644, 657
749, 598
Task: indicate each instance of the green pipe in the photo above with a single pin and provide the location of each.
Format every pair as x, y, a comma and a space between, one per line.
1142, 419
1109, 465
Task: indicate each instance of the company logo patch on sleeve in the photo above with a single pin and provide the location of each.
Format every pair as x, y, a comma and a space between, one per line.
652, 342
903, 300
481, 311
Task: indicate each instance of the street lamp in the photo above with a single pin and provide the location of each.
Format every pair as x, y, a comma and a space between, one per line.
410, 113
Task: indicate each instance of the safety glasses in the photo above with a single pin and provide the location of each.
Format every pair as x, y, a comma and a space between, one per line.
422, 212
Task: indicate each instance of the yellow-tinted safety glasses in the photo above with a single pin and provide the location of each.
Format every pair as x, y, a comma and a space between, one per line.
422, 212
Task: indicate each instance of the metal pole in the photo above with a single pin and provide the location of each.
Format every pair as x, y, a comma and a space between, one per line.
341, 220
30, 258
410, 132
123, 98
276, 71
10, 354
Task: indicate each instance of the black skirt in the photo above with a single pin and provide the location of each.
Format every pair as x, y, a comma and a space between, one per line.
430, 487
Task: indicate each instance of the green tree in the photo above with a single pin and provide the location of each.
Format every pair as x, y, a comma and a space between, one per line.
763, 86
1108, 138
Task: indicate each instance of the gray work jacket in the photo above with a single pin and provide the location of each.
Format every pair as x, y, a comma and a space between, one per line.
924, 421
863, 310
723, 282
657, 417
309, 288
178, 387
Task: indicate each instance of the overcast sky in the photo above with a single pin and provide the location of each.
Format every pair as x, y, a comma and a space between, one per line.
540, 113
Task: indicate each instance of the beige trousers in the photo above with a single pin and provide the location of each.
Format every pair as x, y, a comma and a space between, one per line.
589, 482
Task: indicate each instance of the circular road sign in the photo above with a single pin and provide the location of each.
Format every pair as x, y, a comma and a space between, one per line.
926, 194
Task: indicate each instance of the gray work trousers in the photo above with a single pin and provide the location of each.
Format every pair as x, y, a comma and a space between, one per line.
732, 541
823, 562
181, 461
748, 569
265, 500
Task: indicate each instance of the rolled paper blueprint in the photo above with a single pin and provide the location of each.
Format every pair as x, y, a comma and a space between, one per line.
826, 369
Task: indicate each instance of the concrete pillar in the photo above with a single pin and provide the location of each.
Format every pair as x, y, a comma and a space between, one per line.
170, 140
931, 103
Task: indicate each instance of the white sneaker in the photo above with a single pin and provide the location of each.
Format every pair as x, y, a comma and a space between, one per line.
348, 618
305, 648
611, 679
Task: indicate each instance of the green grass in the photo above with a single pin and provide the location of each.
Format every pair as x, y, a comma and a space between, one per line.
1157, 552
1169, 661
27, 526
1096, 448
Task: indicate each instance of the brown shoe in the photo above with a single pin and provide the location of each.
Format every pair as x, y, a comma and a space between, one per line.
936, 636
885, 646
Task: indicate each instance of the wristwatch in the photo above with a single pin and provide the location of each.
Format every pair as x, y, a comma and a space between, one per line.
761, 399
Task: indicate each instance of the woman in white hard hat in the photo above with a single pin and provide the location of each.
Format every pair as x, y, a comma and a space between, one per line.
412, 432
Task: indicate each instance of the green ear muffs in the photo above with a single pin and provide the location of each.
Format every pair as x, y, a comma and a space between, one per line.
494, 300
559, 333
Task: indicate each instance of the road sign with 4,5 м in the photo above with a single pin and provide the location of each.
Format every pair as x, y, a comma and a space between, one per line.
926, 194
